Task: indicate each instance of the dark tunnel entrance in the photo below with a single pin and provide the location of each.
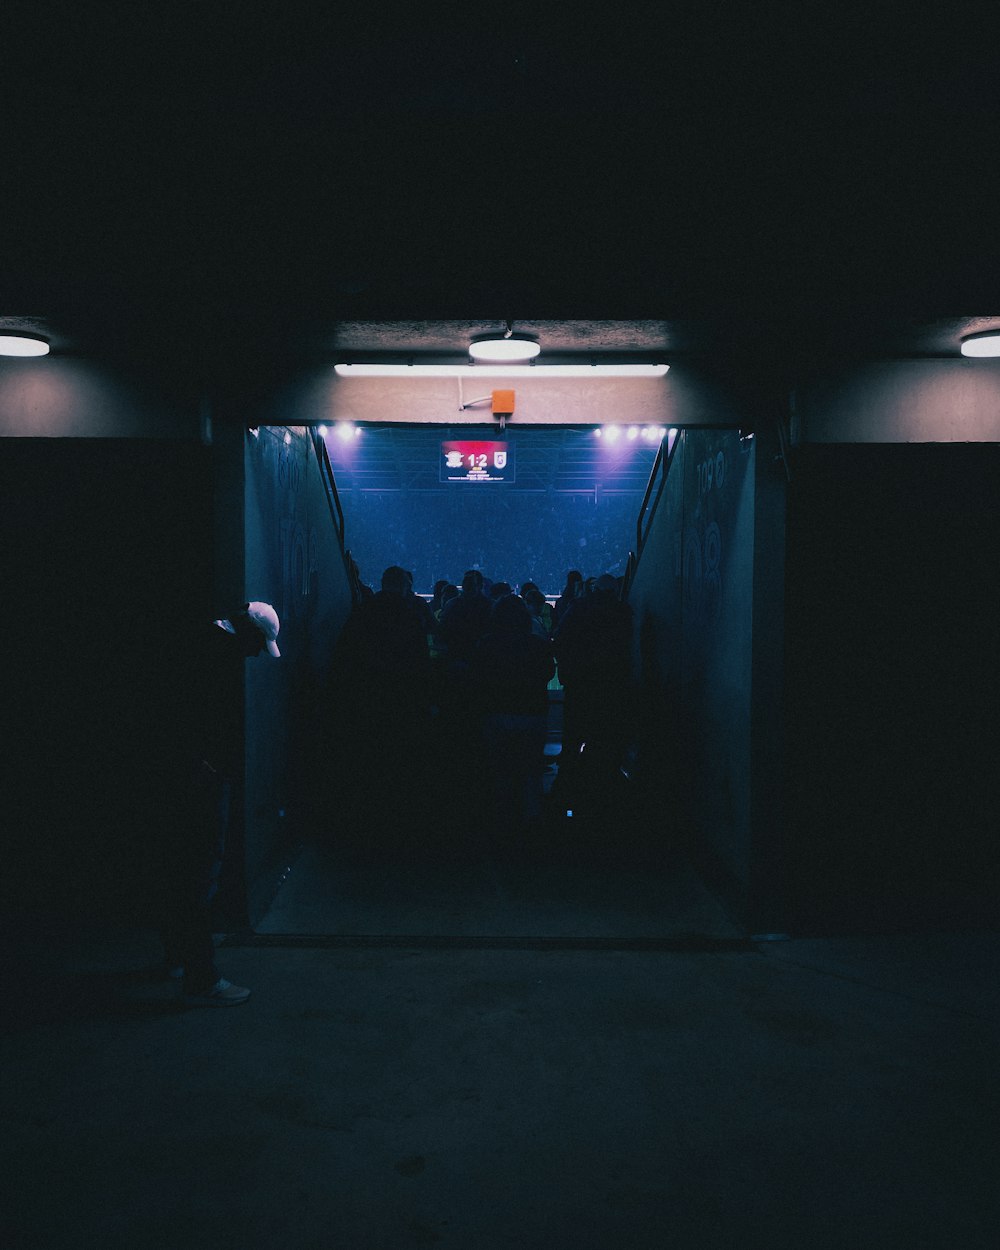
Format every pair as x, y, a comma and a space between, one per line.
405, 835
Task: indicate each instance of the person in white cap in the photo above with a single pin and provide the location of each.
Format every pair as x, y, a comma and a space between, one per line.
256, 626
200, 776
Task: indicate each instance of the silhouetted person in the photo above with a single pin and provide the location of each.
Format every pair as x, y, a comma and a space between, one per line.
534, 601
381, 656
439, 587
421, 607
449, 592
532, 596
570, 593
380, 708
593, 646
510, 672
201, 757
465, 619
444, 596
463, 622
362, 589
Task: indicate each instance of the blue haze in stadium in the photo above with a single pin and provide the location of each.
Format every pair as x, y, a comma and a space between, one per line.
573, 504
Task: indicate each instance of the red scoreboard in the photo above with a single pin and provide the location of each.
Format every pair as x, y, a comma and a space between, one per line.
468, 461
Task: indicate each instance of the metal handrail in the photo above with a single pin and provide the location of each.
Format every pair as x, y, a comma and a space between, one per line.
326, 472
630, 564
336, 511
657, 481
662, 465
657, 465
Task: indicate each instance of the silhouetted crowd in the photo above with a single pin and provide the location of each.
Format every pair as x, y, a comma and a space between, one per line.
442, 706
509, 536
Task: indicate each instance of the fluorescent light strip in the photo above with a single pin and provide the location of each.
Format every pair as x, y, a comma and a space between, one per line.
500, 371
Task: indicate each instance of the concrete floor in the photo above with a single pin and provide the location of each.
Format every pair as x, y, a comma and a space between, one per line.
823, 1093
483, 897
449, 872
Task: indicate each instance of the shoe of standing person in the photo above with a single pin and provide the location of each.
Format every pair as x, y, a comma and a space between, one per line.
222, 994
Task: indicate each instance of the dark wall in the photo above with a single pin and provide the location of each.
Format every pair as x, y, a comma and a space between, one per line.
892, 679
100, 540
110, 549
293, 561
656, 597
693, 599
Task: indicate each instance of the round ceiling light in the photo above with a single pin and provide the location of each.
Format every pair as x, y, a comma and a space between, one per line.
23, 345
985, 344
499, 348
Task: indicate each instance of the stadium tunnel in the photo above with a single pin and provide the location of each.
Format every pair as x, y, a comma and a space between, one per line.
815, 633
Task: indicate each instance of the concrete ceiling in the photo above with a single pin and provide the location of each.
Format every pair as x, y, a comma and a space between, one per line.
669, 339
553, 336
858, 337
732, 185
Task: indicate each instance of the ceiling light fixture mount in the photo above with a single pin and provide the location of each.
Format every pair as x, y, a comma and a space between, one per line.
984, 344
23, 343
505, 348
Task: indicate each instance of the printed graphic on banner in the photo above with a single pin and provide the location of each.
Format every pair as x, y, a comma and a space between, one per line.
467, 461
